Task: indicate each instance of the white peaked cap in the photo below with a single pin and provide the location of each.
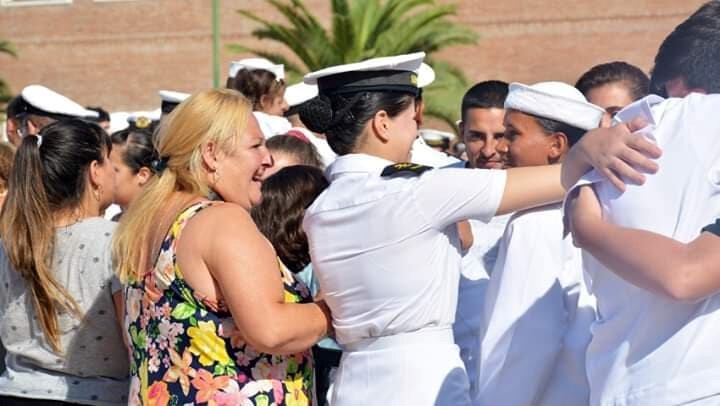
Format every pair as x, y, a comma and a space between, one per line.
431, 135
556, 101
407, 62
50, 101
426, 75
172, 96
299, 93
257, 64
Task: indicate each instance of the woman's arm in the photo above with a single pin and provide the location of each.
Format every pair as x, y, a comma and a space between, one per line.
615, 152
246, 270
651, 261
119, 303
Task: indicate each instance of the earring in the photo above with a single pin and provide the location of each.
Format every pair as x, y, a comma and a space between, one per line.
98, 193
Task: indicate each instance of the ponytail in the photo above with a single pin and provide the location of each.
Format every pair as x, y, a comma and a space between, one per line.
27, 231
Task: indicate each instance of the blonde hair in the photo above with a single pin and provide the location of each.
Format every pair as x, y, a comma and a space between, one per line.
219, 116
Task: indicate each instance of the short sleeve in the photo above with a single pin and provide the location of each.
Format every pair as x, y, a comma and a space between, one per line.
448, 195
713, 228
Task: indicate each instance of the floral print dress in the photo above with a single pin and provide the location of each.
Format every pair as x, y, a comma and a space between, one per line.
186, 349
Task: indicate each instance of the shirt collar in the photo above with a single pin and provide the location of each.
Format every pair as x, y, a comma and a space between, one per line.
357, 163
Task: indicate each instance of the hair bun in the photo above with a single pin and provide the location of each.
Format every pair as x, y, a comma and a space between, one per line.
317, 114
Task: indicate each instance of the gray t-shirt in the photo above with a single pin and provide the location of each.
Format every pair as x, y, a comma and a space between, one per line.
94, 366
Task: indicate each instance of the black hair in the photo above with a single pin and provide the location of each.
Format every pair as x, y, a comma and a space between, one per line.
342, 117
59, 157
15, 107
485, 95
103, 115
286, 196
632, 77
139, 150
550, 126
254, 84
691, 52
304, 151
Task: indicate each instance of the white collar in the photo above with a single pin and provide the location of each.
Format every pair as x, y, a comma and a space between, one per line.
357, 163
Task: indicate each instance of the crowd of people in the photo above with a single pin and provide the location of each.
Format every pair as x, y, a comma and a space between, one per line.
265, 244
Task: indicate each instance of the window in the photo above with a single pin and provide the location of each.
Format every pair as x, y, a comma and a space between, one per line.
9, 3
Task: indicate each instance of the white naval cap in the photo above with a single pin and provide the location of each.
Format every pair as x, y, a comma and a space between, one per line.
44, 101
555, 100
257, 64
434, 137
170, 99
398, 72
173, 96
299, 93
426, 75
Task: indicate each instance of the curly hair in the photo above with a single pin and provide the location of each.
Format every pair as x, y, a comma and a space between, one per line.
286, 196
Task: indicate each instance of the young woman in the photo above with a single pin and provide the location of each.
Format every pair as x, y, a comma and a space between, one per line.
263, 83
132, 155
211, 315
289, 150
383, 240
59, 300
286, 196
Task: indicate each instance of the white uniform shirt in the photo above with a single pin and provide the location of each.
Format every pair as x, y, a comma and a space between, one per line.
648, 349
476, 266
386, 253
385, 249
537, 315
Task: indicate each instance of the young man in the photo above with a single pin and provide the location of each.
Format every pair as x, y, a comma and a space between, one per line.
482, 131
612, 86
482, 126
537, 310
648, 348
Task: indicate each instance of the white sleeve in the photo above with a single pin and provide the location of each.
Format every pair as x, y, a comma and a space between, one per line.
525, 316
448, 195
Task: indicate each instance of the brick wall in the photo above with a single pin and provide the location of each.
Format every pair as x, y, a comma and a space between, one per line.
119, 53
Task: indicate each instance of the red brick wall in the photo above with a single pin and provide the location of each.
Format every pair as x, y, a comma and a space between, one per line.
119, 53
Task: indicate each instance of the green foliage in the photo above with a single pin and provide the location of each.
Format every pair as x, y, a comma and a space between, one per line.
5, 94
362, 29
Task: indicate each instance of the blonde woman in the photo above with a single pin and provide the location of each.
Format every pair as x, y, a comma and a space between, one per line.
58, 293
207, 303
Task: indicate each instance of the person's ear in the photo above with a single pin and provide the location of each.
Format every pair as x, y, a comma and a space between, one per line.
266, 102
209, 152
143, 176
381, 125
557, 146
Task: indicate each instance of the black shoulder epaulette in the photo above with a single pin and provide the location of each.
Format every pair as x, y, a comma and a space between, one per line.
404, 168
713, 228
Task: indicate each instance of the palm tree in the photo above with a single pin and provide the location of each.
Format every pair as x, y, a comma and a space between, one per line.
362, 29
5, 48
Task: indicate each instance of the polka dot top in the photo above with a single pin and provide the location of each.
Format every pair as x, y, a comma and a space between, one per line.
93, 368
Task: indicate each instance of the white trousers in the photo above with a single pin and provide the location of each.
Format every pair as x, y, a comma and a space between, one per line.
419, 368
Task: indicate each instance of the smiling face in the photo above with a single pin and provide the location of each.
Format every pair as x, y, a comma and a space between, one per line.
483, 131
240, 171
528, 144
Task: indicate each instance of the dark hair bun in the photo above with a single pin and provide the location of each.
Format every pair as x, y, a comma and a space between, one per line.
317, 114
